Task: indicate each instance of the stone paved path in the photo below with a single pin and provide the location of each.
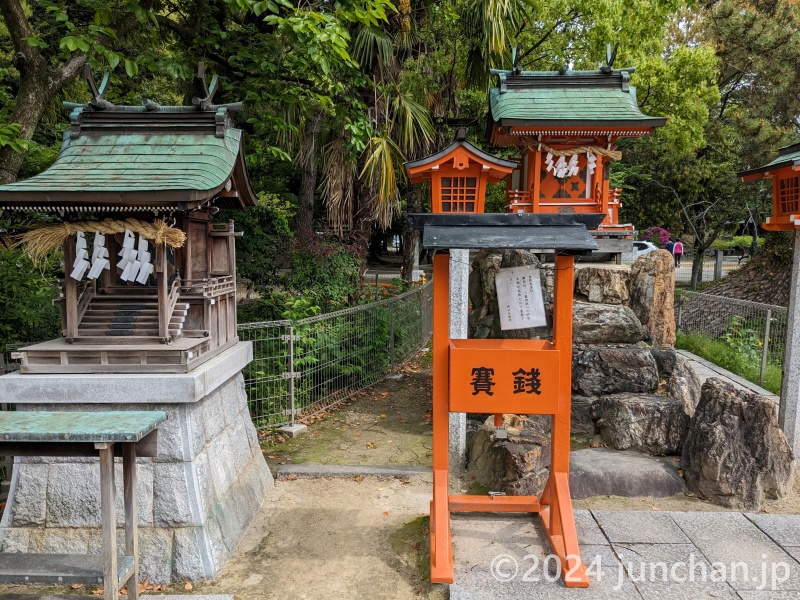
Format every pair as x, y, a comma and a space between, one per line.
637, 555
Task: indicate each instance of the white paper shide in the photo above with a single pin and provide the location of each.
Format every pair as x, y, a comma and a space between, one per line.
519, 296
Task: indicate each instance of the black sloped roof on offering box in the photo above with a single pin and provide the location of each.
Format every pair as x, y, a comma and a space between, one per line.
562, 232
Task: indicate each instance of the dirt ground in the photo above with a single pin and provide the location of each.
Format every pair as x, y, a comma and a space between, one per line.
387, 424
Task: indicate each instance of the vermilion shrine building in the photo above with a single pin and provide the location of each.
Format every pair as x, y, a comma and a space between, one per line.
566, 125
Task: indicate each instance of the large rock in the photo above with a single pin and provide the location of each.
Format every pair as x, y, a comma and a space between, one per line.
599, 371
604, 472
646, 422
684, 385
518, 465
652, 290
735, 453
605, 324
602, 284
581, 422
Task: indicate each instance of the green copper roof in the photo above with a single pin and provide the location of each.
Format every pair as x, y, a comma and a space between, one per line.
572, 98
129, 158
788, 157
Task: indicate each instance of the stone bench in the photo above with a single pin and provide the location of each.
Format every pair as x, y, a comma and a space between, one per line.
85, 434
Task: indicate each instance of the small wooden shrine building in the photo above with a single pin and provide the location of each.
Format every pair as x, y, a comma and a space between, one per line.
150, 279
785, 174
566, 125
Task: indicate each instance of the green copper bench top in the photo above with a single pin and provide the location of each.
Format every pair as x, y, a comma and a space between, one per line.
105, 426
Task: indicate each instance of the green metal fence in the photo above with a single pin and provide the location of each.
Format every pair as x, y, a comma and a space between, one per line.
306, 366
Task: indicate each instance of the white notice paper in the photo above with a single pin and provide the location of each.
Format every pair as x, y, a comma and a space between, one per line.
519, 295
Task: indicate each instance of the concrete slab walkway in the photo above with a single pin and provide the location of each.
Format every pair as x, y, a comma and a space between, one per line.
636, 555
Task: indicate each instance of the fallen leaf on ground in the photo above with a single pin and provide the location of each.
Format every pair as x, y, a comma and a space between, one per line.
268, 456
99, 591
384, 394
371, 445
188, 586
291, 477
655, 508
358, 478
386, 513
76, 586
383, 416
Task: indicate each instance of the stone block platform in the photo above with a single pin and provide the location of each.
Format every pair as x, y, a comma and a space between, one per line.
195, 499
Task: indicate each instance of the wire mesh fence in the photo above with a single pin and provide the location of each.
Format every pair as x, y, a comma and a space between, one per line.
712, 270
744, 337
306, 366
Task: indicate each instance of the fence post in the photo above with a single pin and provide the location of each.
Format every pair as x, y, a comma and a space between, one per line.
765, 348
680, 311
718, 266
291, 375
391, 335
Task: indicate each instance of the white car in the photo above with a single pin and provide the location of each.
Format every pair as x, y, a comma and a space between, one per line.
642, 248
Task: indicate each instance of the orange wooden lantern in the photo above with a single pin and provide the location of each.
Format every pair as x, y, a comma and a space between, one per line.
785, 174
458, 175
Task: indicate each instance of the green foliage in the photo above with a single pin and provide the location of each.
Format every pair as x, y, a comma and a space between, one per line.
739, 359
741, 243
683, 87
38, 160
26, 310
327, 275
270, 306
261, 251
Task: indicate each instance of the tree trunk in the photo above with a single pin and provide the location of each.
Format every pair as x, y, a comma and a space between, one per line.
304, 221
697, 270
410, 236
32, 99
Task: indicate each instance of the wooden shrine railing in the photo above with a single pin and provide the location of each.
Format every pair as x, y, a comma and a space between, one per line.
209, 287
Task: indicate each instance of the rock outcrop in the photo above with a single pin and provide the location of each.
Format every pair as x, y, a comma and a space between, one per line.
735, 453
602, 285
518, 465
605, 323
650, 423
652, 290
600, 371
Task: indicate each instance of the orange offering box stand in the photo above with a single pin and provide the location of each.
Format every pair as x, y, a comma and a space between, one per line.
505, 376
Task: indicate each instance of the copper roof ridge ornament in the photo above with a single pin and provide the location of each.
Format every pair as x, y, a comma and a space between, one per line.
98, 101
205, 103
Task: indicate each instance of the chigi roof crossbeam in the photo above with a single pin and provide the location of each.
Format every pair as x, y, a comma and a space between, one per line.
166, 158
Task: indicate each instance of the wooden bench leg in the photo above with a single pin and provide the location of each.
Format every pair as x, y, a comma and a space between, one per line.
108, 520
131, 516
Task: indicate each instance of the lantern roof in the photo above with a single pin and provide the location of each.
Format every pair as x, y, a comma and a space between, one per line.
140, 158
497, 168
788, 156
566, 233
574, 100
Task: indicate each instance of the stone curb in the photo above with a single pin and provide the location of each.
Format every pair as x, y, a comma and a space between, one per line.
309, 470
724, 374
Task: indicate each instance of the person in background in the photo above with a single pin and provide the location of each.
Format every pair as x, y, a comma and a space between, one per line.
677, 251
669, 245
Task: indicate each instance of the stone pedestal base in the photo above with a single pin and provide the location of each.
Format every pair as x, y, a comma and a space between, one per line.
195, 499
